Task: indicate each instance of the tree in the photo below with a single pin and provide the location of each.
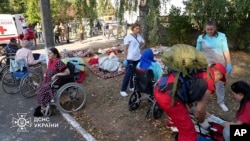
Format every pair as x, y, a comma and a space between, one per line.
152, 22
239, 19
148, 17
59, 10
231, 16
32, 12
201, 11
47, 23
143, 12
105, 8
180, 28
86, 9
12, 6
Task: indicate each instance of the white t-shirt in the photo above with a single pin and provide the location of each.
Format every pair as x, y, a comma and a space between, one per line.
32, 42
134, 52
25, 31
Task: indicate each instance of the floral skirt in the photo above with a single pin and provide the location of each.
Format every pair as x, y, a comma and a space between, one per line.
44, 94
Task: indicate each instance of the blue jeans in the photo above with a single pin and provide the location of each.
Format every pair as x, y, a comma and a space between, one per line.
129, 75
226, 133
39, 36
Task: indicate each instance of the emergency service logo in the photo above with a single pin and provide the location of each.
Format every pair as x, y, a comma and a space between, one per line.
21, 122
24, 123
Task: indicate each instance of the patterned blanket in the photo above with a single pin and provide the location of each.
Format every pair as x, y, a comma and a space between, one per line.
104, 74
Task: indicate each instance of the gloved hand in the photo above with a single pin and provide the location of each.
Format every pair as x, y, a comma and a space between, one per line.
229, 68
125, 62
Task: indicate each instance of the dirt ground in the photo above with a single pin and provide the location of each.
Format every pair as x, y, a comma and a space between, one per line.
107, 118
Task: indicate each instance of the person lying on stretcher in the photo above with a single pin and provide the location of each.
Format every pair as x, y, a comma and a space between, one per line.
178, 111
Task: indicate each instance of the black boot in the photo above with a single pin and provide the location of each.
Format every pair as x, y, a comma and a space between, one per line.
38, 112
38, 108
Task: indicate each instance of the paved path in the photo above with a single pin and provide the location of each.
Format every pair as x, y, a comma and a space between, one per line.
94, 42
12, 105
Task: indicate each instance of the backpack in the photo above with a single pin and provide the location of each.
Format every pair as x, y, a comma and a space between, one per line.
183, 62
188, 89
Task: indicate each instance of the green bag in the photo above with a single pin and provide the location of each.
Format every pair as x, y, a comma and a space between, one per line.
183, 60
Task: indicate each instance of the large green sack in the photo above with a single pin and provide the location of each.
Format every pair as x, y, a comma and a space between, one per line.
184, 59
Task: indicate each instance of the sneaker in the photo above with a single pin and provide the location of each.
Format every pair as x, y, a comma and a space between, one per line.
131, 89
223, 107
124, 94
172, 128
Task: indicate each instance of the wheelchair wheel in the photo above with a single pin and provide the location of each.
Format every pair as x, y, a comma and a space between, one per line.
134, 101
3, 70
71, 97
29, 84
156, 111
10, 83
47, 112
3, 62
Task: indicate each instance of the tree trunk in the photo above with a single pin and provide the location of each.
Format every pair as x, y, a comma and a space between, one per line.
47, 23
143, 12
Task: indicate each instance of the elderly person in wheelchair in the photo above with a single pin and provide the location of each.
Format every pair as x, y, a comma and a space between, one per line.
20, 69
147, 62
55, 69
12, 47
146, 74
26, 54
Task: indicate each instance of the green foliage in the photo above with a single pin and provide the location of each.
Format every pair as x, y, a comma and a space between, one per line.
86, 9
131, 5
58, 11
180, 27
105, 8
152, 22
12, 6
204, 10
32, 13
121, 11
232, 17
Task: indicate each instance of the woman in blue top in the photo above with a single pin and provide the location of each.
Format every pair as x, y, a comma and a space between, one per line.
147, 62
214, 45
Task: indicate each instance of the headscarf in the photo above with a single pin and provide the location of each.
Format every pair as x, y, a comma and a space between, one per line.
146, 59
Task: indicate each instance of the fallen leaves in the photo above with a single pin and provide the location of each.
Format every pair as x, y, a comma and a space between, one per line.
107, 116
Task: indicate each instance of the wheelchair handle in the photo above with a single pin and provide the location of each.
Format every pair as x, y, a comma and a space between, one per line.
53, 82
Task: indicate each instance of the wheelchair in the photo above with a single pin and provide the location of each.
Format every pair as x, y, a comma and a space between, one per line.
69, 96
144, 83
24, 80
5, 62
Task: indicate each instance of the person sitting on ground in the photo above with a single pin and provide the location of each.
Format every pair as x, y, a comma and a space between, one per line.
55, 69
178, 112
241, 92
25, 53
147, 62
